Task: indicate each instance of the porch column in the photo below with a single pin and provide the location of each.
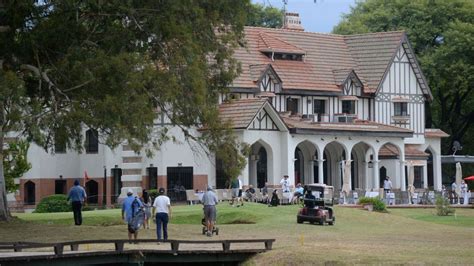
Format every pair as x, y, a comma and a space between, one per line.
376, 183
245, 172
321, 171
344, 172
437, 177
253, 173
109, 191
403, 185
425, 176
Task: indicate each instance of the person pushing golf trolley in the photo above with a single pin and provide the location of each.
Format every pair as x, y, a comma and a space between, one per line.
209, 200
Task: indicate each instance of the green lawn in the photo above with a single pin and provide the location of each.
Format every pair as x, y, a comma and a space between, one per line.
401, 236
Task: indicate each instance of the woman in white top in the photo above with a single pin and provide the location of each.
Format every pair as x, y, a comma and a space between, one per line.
146, 200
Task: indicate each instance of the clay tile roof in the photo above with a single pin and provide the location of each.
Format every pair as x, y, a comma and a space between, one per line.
412, 151
241, 112
372, 53
388, 150
435, 133
269, 43
357, 126
256, 71
326, 56
340, 75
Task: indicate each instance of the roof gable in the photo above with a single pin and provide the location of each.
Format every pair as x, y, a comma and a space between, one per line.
269, 43
373, 54
416, 68
253, 113
343, 76
409, 54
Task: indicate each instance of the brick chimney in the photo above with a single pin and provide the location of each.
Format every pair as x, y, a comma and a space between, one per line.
292, 21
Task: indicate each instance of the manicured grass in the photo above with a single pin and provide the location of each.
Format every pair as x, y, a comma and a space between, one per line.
462, 217
401, 236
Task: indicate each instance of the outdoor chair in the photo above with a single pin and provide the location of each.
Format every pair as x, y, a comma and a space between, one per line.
220, 195
258, 195
283, 197
415, 198
431, 197
355, 197
226, 194
404, 197
191, 197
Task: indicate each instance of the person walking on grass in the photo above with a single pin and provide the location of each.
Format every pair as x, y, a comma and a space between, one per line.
236, 187
130, 207
209, 200
162, 208
77, 195
147, 204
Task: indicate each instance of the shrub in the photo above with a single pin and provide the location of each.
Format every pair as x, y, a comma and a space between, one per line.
442, 206
153, 194
53, 203
378, 204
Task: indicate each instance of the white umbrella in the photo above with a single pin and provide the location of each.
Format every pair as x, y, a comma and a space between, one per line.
458, 178
346, 188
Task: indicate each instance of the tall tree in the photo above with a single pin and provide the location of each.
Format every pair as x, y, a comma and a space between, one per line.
442, 34
264, 16
67, 65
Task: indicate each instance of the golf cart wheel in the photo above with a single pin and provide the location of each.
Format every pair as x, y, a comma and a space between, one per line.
333, 222
203, 231
322, 221
299, 220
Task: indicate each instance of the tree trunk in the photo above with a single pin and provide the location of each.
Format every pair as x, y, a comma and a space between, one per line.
4, 212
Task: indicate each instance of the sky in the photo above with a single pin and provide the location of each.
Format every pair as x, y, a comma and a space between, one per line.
316, 16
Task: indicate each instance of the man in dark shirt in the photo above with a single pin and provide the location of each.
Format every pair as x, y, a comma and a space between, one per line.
77, 195
309, 199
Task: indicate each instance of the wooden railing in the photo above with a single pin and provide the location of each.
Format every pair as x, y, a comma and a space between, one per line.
119, 244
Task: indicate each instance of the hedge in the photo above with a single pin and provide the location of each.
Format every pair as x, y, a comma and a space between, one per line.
54, 203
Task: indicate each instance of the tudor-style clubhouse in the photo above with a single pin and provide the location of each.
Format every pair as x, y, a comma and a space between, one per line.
310, 105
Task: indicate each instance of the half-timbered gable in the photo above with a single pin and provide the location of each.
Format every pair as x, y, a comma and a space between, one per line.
265, 120
269, 82
400, 99
252, 114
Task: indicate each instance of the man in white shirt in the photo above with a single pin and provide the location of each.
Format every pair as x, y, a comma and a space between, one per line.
162, 207
387, 185
285, 184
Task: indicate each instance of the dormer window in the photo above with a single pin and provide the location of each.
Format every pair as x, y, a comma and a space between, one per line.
284, 56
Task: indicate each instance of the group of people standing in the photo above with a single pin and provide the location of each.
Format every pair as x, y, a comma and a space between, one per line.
160, 210
463, 188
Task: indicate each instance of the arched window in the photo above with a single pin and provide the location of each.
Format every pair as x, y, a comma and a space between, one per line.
30, 193
92, 191
382, 175
92, 141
